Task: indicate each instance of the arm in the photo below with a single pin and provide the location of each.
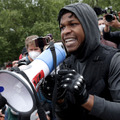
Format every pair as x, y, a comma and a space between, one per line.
99, 106
89, 104
114, 23
111, 36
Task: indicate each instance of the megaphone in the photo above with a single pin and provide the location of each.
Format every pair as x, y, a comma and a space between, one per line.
17, 89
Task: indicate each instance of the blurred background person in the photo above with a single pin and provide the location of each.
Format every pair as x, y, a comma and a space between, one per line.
112, 36
2, 114
101, 26
21, 56
29, 53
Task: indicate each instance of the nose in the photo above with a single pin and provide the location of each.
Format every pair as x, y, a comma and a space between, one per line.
66, 30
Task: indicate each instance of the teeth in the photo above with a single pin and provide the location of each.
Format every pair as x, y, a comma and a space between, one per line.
69, 39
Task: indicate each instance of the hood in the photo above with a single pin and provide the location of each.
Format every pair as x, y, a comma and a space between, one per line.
89, 22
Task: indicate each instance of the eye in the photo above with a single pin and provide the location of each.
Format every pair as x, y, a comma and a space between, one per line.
62, 28
74, 24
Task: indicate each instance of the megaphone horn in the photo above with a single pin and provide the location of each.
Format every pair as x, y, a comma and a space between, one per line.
17, 89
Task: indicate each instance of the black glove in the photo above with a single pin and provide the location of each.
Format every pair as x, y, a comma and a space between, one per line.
74, 82
3, 101
47, 87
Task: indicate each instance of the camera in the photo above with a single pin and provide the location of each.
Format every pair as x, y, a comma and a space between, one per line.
109, 14
38, 42
109, 17
42, 41
108, 11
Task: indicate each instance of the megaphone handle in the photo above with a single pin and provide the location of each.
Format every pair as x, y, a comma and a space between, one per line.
41, 112
3, 101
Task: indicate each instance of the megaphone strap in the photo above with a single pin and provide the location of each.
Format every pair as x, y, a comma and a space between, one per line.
41, 112
54, 95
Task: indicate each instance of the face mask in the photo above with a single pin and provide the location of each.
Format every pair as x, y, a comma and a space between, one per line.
101, 27
34, 54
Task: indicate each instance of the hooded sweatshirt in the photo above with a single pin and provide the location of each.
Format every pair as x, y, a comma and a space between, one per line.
102, 109
88, 20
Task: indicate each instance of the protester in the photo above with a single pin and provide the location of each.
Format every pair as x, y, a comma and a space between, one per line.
29, 52
2, 107
101, 26
21, 56
112, 36
8, 65
2, 116
28, 55
90, 74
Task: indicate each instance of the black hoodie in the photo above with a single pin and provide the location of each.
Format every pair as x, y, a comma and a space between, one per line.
102, 109
88, 20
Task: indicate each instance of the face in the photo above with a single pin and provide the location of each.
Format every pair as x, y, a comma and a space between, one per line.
33, 52
101, 22
72, 33
33, 48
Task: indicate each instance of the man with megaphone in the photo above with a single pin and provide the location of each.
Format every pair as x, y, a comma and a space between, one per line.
88, 82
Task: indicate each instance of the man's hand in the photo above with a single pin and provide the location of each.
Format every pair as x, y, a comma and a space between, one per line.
47, 87
114, 23
74, 82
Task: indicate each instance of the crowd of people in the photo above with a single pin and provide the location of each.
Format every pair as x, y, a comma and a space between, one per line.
88, 81
28, 54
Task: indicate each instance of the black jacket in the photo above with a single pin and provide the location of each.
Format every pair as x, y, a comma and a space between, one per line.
96, 72
99, 65
112, 36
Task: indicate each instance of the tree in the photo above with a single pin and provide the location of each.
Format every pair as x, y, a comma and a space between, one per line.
103, 3
21, 18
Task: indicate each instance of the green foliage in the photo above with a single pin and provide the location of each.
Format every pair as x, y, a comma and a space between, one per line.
21, 18
104, 3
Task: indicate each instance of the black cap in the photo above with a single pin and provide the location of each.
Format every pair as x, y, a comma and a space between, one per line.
24, 51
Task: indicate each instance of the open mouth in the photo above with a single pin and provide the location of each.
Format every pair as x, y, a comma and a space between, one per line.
70, 40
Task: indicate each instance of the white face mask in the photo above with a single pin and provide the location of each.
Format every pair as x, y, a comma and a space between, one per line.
101, 27
34, 54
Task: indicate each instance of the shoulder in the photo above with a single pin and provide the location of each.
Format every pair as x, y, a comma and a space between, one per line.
115, 61
107, 49
115, 34
114, 68
67, 63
